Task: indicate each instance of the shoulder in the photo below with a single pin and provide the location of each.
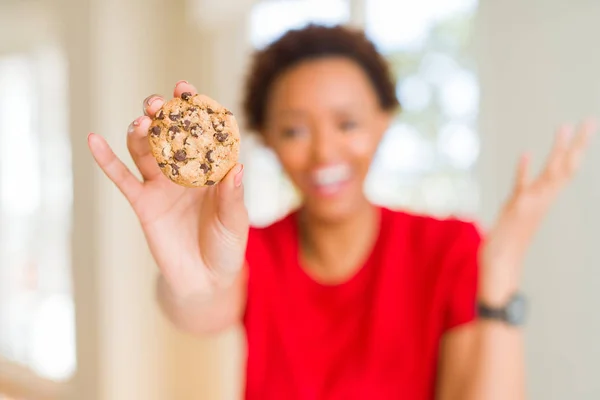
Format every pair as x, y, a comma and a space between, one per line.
280, 228
268, 240
431, 236
446, 229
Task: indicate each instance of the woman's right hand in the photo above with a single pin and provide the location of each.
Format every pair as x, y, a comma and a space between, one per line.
197, 236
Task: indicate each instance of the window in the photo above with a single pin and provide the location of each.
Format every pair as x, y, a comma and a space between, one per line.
36, 305
426, 159
270, 19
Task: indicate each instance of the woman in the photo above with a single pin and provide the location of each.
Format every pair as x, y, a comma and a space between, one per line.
340, 299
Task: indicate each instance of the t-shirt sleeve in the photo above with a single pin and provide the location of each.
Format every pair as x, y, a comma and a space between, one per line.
463, 265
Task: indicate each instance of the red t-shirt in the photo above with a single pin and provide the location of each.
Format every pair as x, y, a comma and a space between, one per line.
375, 336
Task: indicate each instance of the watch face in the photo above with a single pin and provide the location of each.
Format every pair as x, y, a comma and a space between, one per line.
515, 310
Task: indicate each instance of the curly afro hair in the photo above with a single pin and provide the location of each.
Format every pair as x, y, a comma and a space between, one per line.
313, 41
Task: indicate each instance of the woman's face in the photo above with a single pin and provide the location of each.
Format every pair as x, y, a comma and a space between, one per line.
324, 122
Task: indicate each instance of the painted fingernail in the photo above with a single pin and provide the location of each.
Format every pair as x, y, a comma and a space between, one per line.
180, 82
133, 125
151, 99
239, 174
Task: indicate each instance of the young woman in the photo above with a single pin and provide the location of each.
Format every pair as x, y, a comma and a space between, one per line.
340, 299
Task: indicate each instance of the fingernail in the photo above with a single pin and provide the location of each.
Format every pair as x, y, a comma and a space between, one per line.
180, 82
151, 99
239, 174
133, 125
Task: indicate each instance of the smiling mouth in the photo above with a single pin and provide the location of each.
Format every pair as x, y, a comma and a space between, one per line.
331, 179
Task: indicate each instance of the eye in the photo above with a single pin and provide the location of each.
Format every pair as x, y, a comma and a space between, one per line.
293, 132
348, 125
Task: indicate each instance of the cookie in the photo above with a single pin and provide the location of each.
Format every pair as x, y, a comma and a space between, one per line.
195, 140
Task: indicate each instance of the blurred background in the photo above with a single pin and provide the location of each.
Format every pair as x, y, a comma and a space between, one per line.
480, 82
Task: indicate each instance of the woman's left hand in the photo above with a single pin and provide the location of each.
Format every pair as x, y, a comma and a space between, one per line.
503, 251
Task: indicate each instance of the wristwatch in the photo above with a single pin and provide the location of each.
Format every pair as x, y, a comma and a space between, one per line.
512, 313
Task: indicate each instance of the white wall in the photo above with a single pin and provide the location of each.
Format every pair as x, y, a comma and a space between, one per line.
539, 66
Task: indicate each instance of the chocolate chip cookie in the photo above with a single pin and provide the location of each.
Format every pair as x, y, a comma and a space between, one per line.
195, 140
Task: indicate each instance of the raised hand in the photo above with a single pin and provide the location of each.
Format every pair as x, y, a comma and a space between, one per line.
505, 247
197, 236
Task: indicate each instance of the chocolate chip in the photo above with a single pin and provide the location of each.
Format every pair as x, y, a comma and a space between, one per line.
174, 169
221, 137
160, 114
192, 110
210, 110
209, 156
196, 130
217, 123
174, 116
180, 155
173, 130
155, 131
204, 167
186, 95
210, 183
162, 164
228, 112
186, 124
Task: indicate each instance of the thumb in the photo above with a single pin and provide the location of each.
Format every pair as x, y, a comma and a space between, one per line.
231, 208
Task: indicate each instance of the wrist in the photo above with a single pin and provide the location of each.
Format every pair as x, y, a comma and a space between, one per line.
512, 313
497, 284
496, 296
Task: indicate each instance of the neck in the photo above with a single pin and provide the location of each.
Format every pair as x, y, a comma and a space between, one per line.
333, 251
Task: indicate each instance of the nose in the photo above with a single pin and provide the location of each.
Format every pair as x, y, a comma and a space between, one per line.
325, 144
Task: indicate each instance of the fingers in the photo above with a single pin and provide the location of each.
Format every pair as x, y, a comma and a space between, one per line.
579, 145
555, 165
139, 148
231, 209
567, 153
137, 134
114, 168
522, 175
152, 104
182, 87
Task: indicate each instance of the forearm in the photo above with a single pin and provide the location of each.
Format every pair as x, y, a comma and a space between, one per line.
498, 351
203, 313
498, 363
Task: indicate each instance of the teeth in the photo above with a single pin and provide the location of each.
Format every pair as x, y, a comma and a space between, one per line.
332, 175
